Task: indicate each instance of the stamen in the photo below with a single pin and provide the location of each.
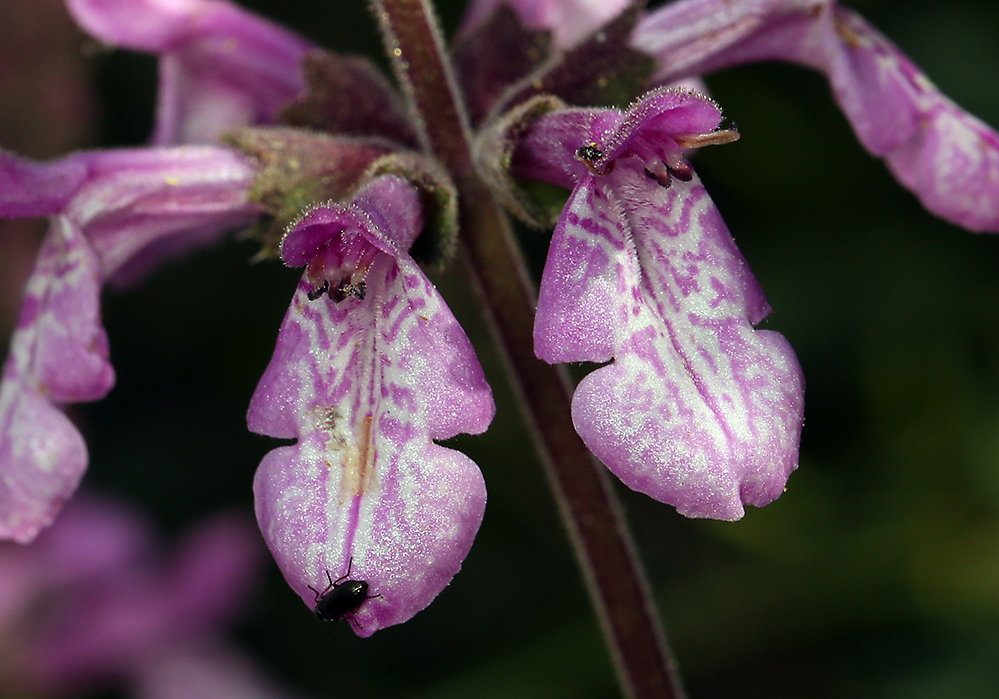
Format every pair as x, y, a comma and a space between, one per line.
646, 151
681, 171
319, 290
663, 160
341, 270
315, 273
346, 290
339, 293
363, 264
660, 173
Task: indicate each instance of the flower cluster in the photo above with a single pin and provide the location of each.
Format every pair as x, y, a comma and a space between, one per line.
694, 406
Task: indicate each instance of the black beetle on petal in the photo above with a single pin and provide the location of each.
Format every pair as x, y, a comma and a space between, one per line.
341, 598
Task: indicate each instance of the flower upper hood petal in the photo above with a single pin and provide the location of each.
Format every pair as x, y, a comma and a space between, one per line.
948, 158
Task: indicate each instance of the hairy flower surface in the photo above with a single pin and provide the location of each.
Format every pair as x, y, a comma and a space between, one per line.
114, 214
370, 368
698, 409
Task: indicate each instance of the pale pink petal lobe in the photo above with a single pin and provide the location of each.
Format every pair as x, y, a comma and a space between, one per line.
569, 20
58, 355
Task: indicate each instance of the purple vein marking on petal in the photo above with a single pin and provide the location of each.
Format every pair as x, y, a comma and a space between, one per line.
687, 285
594, 227
686, 444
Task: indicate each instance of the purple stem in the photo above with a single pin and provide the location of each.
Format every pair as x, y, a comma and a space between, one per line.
587, 502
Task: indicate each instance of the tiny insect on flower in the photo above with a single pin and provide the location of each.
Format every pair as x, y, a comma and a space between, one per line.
341, 598
589, 155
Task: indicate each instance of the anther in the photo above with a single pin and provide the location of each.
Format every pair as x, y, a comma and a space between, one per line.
319, 290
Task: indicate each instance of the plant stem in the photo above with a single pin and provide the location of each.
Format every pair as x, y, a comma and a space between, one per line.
587, 502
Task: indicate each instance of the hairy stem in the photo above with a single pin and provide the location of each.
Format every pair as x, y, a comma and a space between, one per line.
601, 540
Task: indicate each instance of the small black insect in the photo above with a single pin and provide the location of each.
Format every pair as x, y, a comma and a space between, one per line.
341, 598
589, 155
589, 152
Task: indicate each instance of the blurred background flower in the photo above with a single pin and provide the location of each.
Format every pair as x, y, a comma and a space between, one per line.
98, 603
875, 575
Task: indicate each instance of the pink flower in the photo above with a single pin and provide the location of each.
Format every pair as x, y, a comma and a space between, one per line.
568, 20
370, 368
943, 155
695, 406
91, 603
698, 409
113, 215
220, 66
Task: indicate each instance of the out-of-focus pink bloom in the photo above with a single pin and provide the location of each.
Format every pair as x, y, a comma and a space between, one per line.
204, 671
698, 409
220, 66
90, 603
945, 156
114, 214
99, 537
568, 20
369, 370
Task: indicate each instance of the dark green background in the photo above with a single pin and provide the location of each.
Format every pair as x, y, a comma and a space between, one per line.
875, 575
